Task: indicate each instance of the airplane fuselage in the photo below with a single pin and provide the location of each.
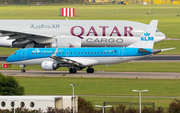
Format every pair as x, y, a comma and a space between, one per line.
94, 56
90, 33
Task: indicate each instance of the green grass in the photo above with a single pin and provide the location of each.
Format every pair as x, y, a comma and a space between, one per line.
103, 86
166, 14
99, 86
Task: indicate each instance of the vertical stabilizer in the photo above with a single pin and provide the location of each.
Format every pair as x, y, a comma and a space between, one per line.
147, 38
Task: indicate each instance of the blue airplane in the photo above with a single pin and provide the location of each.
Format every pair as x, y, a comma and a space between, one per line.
79, 58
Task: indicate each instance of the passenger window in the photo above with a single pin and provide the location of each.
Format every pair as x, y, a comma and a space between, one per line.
97, 52
81, 52
74, 52
71, 53
35, 53
94, 52
78, 52
46, 52
32, 53
84, 52
42, 52
91, 52
101, 52
104, 52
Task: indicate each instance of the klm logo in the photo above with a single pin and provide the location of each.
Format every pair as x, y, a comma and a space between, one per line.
147, 37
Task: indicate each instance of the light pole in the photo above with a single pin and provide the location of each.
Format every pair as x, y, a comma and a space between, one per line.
73, 94
139, 97
103, 107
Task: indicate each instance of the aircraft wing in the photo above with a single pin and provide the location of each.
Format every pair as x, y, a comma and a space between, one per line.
74, 60
13, 34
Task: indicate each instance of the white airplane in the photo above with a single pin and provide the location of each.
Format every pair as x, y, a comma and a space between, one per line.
79, 58
71, 33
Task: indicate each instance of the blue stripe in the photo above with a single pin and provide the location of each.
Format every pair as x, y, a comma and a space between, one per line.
33, 53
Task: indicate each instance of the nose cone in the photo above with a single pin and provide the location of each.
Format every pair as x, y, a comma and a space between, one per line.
159, 37
9, 59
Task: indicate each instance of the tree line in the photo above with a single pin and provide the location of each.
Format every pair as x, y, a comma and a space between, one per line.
15, 2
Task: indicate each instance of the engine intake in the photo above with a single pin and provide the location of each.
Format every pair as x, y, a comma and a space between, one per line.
49, 65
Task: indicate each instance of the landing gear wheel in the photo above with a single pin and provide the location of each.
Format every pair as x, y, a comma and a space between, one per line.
75, 71
23, 70
90, 70
72, 70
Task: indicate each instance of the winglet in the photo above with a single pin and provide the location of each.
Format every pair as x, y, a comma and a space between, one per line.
147, 38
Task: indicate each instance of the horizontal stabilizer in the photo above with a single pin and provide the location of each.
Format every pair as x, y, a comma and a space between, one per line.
142, 50
155, 51
167, 49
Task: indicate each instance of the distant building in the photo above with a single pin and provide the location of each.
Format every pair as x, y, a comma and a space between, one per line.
38, 102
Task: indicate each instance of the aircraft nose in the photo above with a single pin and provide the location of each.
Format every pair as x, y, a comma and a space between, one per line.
8, 59
159, 36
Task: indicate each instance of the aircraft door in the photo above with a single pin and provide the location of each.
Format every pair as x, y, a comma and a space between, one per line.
121, 52
23, 54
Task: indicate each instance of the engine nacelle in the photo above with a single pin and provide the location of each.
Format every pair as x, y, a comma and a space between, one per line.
49, 65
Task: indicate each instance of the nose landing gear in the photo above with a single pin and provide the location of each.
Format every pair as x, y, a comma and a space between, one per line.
23, 70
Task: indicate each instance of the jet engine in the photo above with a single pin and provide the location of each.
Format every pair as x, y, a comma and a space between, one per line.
49, 65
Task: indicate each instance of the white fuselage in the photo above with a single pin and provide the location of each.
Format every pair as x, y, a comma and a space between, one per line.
92, 33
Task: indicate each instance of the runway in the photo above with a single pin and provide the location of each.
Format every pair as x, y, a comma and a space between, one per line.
145, 75
99, 74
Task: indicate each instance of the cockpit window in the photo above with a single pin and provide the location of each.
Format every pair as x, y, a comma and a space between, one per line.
157, 30
14, 53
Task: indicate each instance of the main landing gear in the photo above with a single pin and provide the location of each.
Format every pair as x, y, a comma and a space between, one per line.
72, 70
23, 70
90, 70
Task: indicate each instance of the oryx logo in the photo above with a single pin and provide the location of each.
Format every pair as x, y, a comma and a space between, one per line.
36, 51
147, 37
70, 45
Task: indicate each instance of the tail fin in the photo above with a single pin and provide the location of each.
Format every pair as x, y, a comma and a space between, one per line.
147, 38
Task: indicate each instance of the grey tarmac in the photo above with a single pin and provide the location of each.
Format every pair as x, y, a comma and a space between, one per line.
96, 74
